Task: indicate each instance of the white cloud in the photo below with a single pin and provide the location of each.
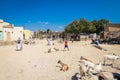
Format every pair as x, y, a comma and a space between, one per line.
36, 25
44, 23
42, 26
60, 27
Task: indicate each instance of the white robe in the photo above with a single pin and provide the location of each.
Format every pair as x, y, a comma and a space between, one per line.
19, 46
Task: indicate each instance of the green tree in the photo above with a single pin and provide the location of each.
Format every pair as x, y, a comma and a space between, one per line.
73, 27
86, 27
100, 24
92, 28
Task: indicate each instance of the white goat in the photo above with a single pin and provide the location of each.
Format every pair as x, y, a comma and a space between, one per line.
98, 67
84, 71
86, 62
95, 68
111, 57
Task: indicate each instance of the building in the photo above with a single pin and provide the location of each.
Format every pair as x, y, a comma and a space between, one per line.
112, 30
28, 34
6, 31
18, 33
10, 33
112, 27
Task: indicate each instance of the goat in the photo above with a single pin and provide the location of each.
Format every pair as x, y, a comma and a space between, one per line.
110, 57
56, 49
87, 62
95, 68
64, 67
83, 58
52, 50
49, 50
84, 71
98, 67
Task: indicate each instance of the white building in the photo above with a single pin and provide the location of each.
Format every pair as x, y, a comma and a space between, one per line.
10, 33
18, 33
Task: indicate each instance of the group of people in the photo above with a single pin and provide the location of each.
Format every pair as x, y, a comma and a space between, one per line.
19, 44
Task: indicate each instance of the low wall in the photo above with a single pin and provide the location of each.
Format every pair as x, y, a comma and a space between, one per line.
4, 43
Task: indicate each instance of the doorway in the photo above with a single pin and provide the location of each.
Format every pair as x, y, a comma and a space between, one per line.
8, 36
1, 36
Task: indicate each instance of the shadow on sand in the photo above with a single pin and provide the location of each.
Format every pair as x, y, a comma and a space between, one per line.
116, 76
74, 77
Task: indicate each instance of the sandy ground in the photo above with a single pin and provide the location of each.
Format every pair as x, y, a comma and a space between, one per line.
34, 63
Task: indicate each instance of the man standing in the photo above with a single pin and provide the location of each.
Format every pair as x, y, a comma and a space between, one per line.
66, 45
19, 45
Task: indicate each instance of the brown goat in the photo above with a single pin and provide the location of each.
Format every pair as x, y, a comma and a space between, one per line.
64, 67
83, 58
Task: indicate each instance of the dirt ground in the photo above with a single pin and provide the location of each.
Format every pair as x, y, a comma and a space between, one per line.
35, 63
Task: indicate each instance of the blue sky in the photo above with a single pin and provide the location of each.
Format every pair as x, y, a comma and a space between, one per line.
56, 14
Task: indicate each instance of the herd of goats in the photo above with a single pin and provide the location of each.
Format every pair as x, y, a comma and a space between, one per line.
88, 70
91, 71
